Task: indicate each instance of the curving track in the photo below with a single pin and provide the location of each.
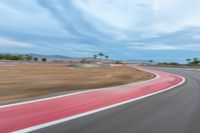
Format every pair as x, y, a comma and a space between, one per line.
144, 115
174, 111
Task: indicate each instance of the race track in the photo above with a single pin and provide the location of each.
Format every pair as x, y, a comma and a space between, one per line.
157, 113
173, 111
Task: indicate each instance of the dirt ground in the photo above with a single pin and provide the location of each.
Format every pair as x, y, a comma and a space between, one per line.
33, 80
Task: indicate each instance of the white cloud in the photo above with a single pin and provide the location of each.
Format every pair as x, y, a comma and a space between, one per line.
144, 16
196, 37
29, 18
153, 47
119, 14
87, 26
149, 46
12, 43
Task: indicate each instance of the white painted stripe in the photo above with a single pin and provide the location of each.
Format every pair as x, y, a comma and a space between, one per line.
80, 92
94, 111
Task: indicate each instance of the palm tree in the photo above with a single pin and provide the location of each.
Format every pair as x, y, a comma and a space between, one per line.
188, 60
95, 57
106, 57
195, 61
150, 61
100, 55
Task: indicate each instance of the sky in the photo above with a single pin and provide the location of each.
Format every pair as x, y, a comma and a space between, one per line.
160, 30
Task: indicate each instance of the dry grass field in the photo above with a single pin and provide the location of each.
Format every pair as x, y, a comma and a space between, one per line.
32, 80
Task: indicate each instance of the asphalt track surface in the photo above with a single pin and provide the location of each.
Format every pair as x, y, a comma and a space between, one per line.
34, 115
173, 111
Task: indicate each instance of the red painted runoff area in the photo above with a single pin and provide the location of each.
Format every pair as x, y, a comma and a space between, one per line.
17, 117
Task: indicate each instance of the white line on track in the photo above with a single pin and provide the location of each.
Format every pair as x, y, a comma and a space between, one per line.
94, 111
80, 92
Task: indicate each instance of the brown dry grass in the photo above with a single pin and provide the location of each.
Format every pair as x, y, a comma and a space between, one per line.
25, 81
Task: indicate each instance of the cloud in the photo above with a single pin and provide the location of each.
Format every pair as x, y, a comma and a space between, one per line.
123, 29
196, 37
166, 47
12, 43
145, 16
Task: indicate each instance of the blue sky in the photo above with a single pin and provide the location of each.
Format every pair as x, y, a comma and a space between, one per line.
124, 29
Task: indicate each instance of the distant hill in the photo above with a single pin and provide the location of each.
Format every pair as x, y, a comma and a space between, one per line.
67, 59
49, 56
